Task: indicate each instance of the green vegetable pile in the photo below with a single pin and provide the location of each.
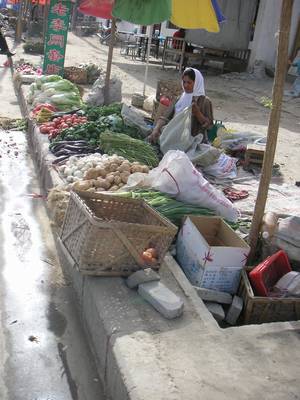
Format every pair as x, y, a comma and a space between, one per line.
129, 148
89, 131
170, 208
95, 112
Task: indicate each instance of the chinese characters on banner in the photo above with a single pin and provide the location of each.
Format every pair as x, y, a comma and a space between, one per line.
56, 38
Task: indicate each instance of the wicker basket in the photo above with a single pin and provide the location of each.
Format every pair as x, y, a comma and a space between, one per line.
75, 75
258, 310
106, 234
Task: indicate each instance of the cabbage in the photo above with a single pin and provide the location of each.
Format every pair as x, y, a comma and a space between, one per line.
47, 78
61, 86
66, 101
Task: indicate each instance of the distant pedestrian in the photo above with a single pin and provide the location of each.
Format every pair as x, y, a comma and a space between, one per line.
295, 92
3, 46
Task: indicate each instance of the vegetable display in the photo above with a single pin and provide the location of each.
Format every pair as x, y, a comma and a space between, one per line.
129, 148
57, 125
95, 112
96, 173
52, 89
170, 208
64, 149
89, 131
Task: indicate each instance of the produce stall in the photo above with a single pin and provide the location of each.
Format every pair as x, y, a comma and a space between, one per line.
95, 153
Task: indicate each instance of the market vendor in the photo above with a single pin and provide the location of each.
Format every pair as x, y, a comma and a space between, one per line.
194, 94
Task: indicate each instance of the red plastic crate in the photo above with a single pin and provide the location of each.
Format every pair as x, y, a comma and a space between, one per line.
266, 274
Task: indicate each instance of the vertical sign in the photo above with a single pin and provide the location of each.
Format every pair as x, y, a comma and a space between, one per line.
56, 38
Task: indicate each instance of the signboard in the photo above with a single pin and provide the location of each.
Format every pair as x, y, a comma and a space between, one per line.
56, 38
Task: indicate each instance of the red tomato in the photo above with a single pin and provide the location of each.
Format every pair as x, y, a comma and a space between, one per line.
165, 101
44, 129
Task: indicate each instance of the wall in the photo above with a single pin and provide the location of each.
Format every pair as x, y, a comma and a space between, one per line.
264, 45
235, 32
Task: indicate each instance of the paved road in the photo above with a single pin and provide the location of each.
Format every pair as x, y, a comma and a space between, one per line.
43, 351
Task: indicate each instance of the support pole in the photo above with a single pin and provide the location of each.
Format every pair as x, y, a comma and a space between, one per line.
109, 60
278, 86
147, 59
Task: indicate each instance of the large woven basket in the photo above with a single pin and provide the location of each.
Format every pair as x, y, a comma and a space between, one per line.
258, 309
75, 75
106, 234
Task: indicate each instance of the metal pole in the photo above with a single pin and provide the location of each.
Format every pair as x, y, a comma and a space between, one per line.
109, 60
278, 86
147, 61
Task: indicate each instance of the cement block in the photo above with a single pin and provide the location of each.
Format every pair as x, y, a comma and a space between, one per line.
142, 276
162, 299
234, 310
214, 295
216, 310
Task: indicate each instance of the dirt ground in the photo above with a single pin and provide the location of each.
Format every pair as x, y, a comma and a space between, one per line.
236, 98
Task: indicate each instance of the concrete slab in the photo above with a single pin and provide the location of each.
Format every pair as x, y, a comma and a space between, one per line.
140, 355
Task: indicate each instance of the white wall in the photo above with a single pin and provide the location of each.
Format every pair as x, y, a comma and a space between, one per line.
166, 32
264, 45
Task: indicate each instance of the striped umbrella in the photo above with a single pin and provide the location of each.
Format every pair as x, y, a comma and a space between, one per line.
204, 14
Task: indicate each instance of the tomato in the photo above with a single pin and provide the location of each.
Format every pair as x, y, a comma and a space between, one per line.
165, 101
153, 252
148, 259
44, 129
64, 126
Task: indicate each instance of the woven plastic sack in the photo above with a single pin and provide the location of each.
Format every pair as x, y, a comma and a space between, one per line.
176, 176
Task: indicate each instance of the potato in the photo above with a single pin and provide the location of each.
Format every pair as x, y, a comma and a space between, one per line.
92, 173
104, 183
117, 180
101, 171
114, 188
145, 169
124, 167
92, 189
82, 185
125, 176
110, 178
121, 185
113, 167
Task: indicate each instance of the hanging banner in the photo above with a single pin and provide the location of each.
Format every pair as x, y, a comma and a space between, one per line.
56, 38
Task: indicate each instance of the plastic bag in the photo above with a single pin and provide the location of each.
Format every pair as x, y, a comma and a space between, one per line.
132, 117
224, 168
177, 134
204, 155
176, 176
287, 237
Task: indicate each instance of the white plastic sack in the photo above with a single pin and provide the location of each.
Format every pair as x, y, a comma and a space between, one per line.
287, 237
224, 168
96, 96
176, 176
176, 135
149, 103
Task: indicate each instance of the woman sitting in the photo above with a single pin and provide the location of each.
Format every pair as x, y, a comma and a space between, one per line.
194, 94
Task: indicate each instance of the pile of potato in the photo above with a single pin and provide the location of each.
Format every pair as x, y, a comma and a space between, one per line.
110, 175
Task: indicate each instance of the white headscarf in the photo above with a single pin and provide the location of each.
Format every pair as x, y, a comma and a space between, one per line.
185, 99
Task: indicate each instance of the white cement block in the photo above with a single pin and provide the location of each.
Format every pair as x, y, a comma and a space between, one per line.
216, 310
213, 295
162, 299
142, 276
234, 310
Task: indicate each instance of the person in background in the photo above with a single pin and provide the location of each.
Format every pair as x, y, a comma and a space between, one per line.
178, 34
3, 44
193, 95
295, 92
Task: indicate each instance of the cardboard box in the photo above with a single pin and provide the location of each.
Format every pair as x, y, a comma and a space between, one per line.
211, 254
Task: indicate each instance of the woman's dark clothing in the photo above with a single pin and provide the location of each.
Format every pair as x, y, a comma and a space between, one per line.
3, 44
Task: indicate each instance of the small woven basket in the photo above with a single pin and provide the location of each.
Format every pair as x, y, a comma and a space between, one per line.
106, 235
258, 309
75, 75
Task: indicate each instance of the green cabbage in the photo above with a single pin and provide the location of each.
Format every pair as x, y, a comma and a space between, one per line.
47, 78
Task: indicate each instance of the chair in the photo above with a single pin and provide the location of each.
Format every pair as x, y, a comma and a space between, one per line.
173, 53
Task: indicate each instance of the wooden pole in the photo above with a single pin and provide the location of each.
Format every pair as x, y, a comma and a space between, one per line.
109, 60
278, 86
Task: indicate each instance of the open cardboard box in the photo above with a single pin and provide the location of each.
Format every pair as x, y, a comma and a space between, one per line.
211, 254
